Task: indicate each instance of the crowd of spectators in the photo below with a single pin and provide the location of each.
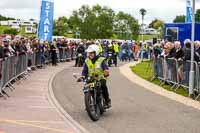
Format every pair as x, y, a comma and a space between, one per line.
54, 50
176, 60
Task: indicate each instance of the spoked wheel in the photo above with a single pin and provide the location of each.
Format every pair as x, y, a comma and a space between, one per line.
102, 103
78, 62
109, 62
92, 110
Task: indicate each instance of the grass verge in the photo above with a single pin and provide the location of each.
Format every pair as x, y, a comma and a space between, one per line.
145, 71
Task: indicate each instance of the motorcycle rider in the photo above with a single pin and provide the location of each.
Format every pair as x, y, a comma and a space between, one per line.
100, 47
116, 50
96, 65
80, 50
110, 51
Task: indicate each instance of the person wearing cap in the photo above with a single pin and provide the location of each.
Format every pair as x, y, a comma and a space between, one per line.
96, 65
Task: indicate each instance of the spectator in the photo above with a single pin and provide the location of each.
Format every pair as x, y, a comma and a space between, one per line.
179, 56
135, 51
179, 51
187, 49
1, 50
172, 50
29, 52
6, 48
197, 51
187, 52
53, 53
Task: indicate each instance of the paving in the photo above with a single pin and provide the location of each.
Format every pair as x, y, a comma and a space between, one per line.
135, 109
29, 110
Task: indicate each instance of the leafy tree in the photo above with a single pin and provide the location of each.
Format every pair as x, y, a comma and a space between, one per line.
179, 19
197, 15
95, 22
3, 18
60, 26
126, 26
156, 24
10, 31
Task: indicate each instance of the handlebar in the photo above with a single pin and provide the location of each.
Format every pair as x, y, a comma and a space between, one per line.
86, 79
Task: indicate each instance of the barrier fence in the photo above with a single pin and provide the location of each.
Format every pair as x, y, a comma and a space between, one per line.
176, 73
15, 67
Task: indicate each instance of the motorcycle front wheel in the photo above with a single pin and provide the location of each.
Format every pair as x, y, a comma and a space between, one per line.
102, 102
92, 109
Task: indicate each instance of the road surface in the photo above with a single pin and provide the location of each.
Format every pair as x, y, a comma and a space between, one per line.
134, 109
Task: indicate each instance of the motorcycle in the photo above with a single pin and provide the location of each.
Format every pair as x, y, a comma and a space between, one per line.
93, 95
80, 60
110, 59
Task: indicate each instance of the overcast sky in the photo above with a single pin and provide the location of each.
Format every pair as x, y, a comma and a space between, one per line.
162, 9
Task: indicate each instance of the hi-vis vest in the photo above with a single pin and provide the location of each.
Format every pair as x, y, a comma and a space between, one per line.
95, 69
100, 48
116, 48
144, 46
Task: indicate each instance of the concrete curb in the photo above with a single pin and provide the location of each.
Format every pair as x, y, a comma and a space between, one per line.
126, 71
68, 119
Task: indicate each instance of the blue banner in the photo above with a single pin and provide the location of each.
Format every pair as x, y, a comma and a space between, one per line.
188, 11
45, 28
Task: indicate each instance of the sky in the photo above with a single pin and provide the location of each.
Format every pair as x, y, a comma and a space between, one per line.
165, 10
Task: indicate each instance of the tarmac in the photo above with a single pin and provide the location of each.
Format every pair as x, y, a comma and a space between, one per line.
30, 108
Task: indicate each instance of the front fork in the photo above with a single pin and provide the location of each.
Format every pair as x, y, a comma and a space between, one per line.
94, 94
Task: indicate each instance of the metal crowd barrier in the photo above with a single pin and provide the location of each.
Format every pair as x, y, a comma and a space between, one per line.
15, 67
11, 68
66, 54
176, 73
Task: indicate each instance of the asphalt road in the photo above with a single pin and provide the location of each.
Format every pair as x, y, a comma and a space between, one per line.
134, 109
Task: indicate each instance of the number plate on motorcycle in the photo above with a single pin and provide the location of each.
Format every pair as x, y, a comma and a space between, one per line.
91, 85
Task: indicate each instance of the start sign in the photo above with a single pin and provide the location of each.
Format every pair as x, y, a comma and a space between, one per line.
46, 20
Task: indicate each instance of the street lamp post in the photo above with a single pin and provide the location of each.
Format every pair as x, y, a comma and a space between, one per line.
191, 82
143, 13
142, 28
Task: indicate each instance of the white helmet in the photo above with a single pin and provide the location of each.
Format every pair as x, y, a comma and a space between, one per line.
187, 41
93, 48
97, 42
110, 45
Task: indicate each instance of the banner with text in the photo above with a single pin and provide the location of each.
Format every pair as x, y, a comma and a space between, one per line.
188, 11
45, 28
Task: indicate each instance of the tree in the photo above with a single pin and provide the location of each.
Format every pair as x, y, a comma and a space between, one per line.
60, 26
10, 31
156, 24
3, 18
126, 26
179, 19
101, 22
197, 15
95, 22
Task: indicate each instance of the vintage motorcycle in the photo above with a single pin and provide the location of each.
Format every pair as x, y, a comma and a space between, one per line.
93, 95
